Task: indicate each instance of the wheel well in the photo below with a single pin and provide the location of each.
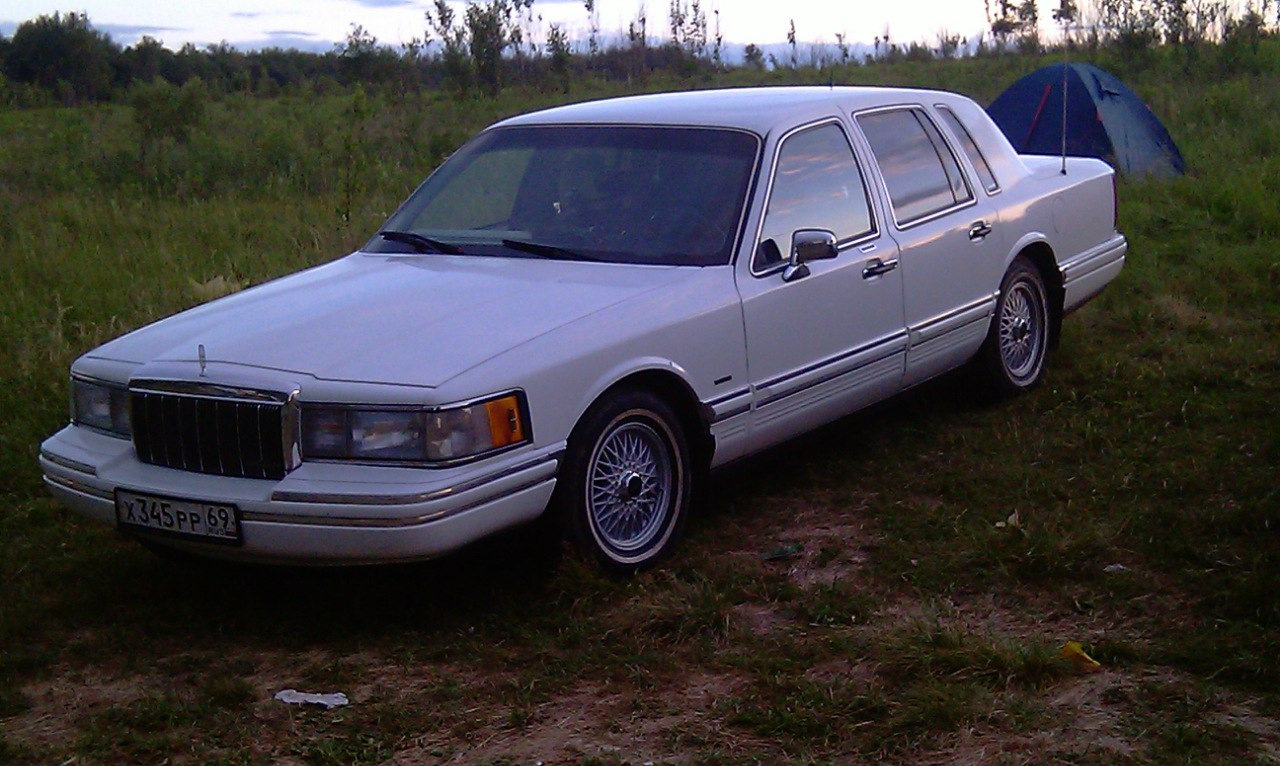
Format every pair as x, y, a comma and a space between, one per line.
1041, 256
674, 391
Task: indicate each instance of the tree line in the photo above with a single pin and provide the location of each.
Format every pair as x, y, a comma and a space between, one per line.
488, 44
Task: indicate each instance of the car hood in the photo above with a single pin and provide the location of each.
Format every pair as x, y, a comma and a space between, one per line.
407, 320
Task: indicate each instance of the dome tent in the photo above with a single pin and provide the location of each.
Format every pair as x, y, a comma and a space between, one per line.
1104, 119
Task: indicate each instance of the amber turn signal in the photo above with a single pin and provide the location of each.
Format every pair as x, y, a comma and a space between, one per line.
505, 424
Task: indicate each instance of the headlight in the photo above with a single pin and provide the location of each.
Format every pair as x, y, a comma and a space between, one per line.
404, 435
101, 406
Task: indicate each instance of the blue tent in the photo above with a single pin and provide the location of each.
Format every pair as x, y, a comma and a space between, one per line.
1104, 119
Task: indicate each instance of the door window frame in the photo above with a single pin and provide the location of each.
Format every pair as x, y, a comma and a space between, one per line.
841, 245
883, 182
944, 108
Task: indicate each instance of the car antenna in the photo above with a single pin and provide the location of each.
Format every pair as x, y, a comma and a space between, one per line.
1064, 110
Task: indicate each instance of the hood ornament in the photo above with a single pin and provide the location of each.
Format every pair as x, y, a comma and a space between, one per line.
200, 354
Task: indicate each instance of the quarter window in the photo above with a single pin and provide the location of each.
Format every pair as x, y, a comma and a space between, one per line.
816, 185
971, 149
919, 169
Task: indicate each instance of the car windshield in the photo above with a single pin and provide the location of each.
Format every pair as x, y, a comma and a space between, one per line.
653, 195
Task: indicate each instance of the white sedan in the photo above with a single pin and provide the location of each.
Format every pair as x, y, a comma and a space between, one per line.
580, 313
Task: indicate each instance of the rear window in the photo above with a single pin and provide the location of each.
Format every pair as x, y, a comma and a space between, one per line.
971, 149
919, 169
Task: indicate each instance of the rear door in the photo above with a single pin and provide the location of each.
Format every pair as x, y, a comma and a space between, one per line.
951, 252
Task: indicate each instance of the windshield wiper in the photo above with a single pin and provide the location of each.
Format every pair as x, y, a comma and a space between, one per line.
420, 243
547, 251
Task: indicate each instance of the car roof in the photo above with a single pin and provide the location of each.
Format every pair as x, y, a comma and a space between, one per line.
759, 110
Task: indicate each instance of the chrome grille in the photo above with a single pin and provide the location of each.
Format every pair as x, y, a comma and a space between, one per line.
246, 437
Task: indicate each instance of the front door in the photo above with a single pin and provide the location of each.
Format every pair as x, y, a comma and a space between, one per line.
826, 343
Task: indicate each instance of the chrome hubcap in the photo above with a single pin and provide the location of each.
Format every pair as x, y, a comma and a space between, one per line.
1021, 330
630, 485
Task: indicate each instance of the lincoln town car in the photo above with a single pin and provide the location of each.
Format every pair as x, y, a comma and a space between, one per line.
580, 314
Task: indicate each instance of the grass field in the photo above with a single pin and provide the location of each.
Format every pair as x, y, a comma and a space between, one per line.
896, 586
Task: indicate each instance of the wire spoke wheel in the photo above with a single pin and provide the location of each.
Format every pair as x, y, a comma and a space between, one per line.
630, 482
625, 486
1022, 330
1012, 357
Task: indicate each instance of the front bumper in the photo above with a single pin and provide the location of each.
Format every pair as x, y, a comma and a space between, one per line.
320, 513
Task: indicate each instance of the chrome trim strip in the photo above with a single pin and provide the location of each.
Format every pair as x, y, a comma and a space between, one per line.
389, 523
780, 395
833, 359
76, 486
953, 313
726, 397
99, 381
74, 465
976, 175
415, 407
409, 499
733, 413
864, 237
884, 184
217, 391
1097, 257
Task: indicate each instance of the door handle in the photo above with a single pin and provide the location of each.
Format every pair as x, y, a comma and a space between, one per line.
979, 230
875, 267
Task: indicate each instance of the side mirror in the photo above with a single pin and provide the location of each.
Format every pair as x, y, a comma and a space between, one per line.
809, 245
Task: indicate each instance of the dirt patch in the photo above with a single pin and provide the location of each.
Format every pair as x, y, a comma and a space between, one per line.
69, 696
758, 619
1082, 722
1186, 314
597, 721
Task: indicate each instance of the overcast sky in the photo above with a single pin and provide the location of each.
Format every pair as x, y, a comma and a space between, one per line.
318, 24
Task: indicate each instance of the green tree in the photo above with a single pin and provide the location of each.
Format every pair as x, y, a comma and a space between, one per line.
144, 61
455, 54
753, 57
791, 41
163, 113
558, 45
489, 26
63, 54
593, 30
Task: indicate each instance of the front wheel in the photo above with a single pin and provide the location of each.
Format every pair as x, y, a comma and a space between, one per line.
625, 486
1013, 354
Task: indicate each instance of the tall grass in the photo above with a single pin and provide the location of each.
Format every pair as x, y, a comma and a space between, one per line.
1154, 442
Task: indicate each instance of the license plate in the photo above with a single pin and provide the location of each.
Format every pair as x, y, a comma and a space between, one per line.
211, 522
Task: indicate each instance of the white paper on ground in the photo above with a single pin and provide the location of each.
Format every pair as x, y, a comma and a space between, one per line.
295, 697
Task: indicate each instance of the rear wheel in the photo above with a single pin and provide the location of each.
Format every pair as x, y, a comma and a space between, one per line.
625, 486
1013, 355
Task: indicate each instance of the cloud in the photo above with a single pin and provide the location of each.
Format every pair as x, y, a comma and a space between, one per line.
289, 33
131, 33
386, 3
7, 27
247, 14
286, 39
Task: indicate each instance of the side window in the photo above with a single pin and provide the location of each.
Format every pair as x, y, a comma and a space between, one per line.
970, 148
921, 172
816, 185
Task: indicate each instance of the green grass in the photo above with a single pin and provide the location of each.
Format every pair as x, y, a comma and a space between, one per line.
898, 621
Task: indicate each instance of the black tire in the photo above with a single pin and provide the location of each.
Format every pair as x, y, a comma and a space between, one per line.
624, 490
1013, 355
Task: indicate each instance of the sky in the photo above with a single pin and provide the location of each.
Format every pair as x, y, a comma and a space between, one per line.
319, 24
